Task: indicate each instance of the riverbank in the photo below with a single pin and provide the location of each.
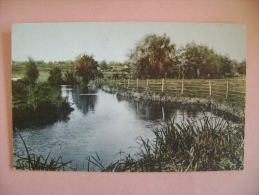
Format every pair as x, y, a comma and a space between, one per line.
225, 108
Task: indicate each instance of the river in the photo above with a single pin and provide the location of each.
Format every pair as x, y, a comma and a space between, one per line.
101, 123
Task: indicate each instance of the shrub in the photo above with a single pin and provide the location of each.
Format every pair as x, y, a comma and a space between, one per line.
55, 76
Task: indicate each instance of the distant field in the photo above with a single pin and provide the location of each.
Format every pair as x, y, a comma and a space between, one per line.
19, 70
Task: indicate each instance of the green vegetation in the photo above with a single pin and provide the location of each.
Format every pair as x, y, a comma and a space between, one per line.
152, 56
156, 57
70, 78
224, 94
86, 68
37, 103
40, 104
31, 72
209, 144
55, 76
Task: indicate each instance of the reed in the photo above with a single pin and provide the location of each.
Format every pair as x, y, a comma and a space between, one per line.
208, 144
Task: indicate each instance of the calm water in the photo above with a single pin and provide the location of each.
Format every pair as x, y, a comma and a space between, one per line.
102, 123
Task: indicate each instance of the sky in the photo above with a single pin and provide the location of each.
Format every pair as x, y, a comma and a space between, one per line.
113, 41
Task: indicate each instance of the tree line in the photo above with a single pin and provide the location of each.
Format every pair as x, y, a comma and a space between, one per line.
156, 56
153, 57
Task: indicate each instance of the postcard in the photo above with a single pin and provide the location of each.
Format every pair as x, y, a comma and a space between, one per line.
128, 96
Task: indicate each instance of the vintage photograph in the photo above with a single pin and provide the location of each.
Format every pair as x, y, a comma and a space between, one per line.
128, 96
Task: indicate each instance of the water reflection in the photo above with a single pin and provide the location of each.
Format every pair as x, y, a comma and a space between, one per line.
165, 111
85, 98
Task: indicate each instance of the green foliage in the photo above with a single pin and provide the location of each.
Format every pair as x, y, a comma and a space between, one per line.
208, 144
31, 72
242, 68
155, 56
69, 77
196, 61
55, 76
152, 56
39, 104
86, 68
103, 65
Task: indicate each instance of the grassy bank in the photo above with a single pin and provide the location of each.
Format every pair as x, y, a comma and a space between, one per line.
209, 144
221, 90
232, 109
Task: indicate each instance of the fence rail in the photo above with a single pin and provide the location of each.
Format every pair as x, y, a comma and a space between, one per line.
232, 89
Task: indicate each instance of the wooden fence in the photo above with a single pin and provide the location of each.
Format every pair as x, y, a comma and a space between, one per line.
231, 89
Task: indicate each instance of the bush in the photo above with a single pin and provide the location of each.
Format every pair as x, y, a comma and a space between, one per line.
55, 76
37, 105
31, 72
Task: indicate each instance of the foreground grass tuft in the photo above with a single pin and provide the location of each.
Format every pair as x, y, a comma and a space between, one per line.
209, 144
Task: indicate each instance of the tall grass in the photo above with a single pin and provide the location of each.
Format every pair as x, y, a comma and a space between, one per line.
208, 144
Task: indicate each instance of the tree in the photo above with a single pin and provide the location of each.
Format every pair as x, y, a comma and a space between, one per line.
152, 56
242, 68
225, 66
69, 77
86, 68
55, 77
31, 72
197, 60
103, 65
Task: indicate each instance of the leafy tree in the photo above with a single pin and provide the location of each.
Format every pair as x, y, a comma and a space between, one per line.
103, 65
197, 60
242, 68
225, 66
152, 56
86, 68
55, 76
31, 72
69, 77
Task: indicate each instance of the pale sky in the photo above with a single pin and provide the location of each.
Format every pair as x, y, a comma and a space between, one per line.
113, 41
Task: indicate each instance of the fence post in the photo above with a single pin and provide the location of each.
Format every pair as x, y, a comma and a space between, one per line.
128, 83
163, 113
163, 84
147, 85
124, 83
210, 87
227, 90
182, 87
137, 84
